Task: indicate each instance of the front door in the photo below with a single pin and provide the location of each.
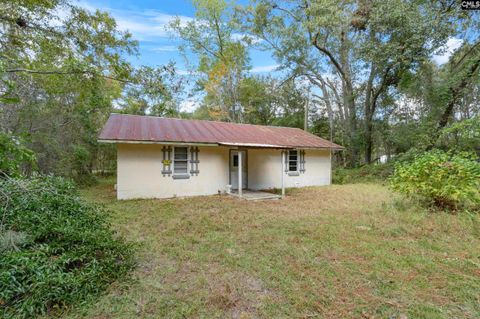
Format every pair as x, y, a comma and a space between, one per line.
234, 169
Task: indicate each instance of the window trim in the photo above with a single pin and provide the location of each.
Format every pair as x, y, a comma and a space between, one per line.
293, 172
176, 175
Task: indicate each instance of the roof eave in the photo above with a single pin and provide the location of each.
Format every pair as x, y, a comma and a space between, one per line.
249, 145
113, 141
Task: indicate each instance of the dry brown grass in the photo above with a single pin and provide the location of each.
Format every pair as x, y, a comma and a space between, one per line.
349, 251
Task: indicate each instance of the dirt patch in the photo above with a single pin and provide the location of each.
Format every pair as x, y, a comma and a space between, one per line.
235, 293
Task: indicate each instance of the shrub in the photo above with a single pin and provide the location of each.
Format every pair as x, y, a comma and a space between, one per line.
366, 174
57, 249
441, 179
14, 154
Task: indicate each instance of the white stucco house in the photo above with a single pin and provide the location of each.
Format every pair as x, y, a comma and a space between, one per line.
165, 157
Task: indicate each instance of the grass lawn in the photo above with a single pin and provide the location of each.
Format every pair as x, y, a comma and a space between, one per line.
342, 251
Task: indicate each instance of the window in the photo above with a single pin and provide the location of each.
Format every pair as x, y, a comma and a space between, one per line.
235, 160
180, 161
292, 161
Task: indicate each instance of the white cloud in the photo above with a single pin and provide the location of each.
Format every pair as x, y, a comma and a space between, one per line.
189, 105
165, 19
141, 31
165, 48
143, 24
264, 68
447, 51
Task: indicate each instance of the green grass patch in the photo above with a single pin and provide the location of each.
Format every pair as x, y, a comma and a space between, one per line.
340, 251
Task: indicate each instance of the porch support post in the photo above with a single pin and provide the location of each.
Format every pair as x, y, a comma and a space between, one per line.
283, 173
240, 169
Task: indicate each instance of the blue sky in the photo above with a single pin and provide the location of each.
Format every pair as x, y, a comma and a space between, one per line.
146, 20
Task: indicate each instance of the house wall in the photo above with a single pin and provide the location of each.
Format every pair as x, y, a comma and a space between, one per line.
139, 173
265, 169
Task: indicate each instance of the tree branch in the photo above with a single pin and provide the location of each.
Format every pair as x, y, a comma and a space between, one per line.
329, 55
49, 72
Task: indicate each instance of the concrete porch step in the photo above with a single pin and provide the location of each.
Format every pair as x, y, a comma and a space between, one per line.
256, 195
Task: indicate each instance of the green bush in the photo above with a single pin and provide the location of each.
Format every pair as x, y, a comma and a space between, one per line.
14, 154
366, 174
57, 250
440, 179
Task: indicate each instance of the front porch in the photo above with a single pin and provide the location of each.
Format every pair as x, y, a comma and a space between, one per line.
249, 194
249, 174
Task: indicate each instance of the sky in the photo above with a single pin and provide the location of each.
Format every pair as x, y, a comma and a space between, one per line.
147, 19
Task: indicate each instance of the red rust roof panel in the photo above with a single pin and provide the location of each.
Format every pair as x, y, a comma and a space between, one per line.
122, 127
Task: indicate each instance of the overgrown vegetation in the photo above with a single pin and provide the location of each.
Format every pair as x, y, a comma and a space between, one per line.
56, 249
14, 155
373, 173
440, 179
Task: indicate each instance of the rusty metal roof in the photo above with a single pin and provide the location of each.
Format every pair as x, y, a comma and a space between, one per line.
148, 129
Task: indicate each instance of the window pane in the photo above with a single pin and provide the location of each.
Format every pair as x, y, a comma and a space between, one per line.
180, 160
180, 167
292, 161
292, 166
181, 153
292, 155
235, 160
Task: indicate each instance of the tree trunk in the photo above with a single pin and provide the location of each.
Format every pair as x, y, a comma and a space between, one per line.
328, 105
349, 100
369, 109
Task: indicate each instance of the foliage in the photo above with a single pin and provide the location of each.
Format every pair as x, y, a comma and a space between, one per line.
13, 154
443, 95
462, 136
443, 179
373, 173
58, 250
155, 91
354, 52
267, 101
63, 69
222, 57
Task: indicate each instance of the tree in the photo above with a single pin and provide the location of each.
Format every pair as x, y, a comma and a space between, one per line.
222, 56
446, 97
366, 45
153, 91
63, 69
259, 100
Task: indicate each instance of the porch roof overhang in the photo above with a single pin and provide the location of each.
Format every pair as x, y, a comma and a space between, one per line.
235, 145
